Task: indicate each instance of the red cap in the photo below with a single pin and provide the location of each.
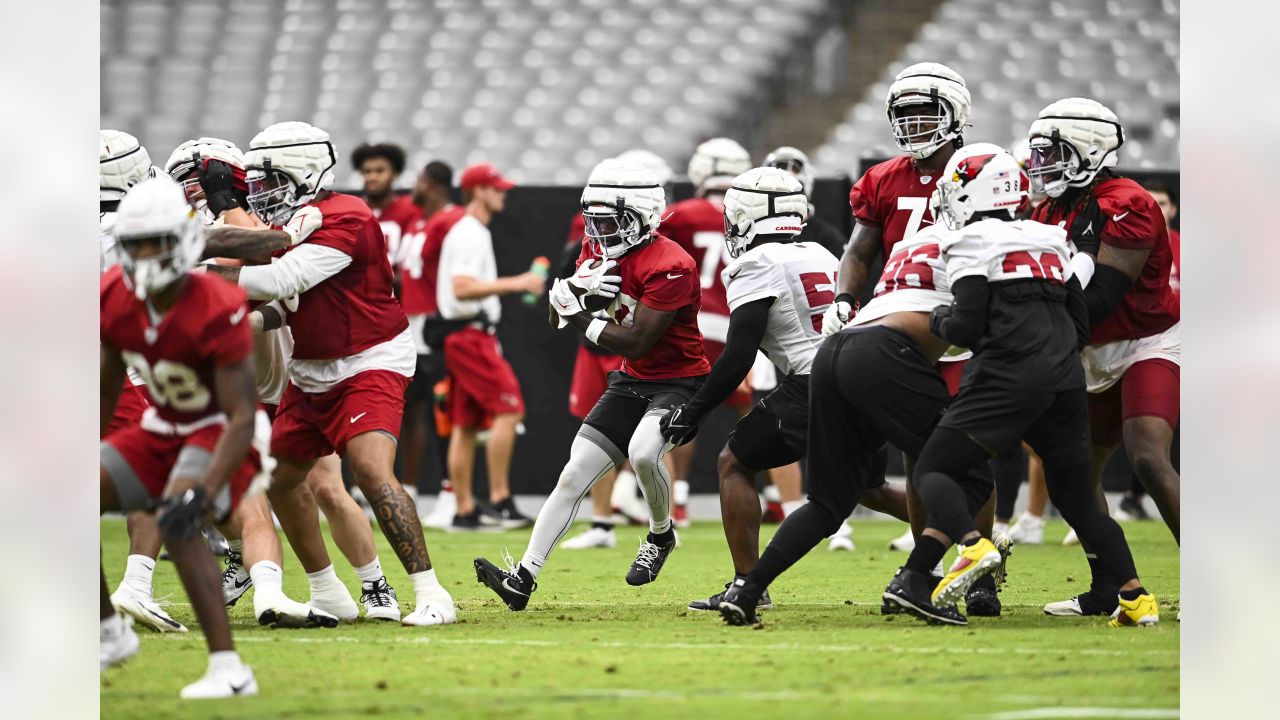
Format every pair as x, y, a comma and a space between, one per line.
484, 175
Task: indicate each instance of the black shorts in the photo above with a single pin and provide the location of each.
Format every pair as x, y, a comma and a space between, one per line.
628, 399
776, 431
430, 370
869, 386
1054, 424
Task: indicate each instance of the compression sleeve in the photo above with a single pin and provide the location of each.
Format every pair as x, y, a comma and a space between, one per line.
1105, 291
963, 322
1079, 312
747, 326
298, 271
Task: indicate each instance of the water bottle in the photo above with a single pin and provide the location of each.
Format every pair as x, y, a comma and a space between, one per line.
540, 267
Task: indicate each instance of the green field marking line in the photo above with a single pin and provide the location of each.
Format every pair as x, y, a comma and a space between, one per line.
1046, 713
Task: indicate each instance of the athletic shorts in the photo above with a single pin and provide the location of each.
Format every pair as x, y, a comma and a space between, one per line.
141, 464
482, 382
776, 431
308, 426
133, 402
1148, 388
629, 399
590, 378
741, 398
951, 373
1054, 423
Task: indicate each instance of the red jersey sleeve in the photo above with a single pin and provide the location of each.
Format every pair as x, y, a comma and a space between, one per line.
671, 288
226, 336
109, 287
862, 201
1132, 220
340, 231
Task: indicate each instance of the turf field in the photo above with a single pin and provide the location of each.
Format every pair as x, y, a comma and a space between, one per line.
589, 646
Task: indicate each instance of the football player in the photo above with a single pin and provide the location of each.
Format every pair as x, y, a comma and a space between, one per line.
1017, 303
1132, 363
650, 286
380, 165
352, 356
778, 289
190, 454
697, 225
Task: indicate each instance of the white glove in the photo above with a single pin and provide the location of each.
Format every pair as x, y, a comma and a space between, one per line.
565, 301
838, 315
595, 280
302, 224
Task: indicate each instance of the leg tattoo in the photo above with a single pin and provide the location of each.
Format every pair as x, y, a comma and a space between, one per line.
398, 517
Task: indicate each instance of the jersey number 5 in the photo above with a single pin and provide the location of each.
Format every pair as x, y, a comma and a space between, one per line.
819, 292
171, 384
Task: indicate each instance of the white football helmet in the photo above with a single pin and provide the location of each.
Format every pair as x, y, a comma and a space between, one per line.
156, 211
935, 84
122, 163
978, 178
622, 206
795, 162
287, 164
763, 201
182, 161
656, 165
715, 163
1071, 140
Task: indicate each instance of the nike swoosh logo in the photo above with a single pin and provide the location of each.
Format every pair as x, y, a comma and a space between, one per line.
237, 689
357, 417
1118, 218
506, 583
168, 621
238, 315
240, 584
673, 277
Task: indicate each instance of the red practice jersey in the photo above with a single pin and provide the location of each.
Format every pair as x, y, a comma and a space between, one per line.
395, 220
662, 276
204, 330
894, 197
421, 266
1175, 274
697, 225
355, 309
1131, 221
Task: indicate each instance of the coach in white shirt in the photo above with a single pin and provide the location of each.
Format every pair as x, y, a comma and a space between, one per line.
482, 384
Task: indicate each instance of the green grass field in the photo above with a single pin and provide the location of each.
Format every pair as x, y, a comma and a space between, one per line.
589, 646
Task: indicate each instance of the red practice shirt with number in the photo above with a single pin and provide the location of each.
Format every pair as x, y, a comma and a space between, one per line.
421, 265
204, 330
395, 220
697, 225
894, 197
1131, 220
662, 276
356, 308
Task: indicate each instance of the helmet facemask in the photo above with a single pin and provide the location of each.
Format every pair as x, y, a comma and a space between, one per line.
919, 134
613, 228
1054, 165
177, 254
273, 196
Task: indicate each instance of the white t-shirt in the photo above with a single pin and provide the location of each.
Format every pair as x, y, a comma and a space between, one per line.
467, 250
914, 278
271, 353
801, 277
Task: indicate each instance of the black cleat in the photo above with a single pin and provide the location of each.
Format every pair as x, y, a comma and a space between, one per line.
650, 559
713, 602
981, 600
1131, 505
511, 586
505, 515
910, 592
738, 603
889, 608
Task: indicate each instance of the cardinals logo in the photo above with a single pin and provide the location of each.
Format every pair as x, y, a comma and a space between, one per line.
969, 168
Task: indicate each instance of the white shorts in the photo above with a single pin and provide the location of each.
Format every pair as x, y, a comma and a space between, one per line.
1105, 364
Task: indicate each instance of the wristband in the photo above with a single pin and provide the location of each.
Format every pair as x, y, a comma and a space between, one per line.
594, 329
847, 298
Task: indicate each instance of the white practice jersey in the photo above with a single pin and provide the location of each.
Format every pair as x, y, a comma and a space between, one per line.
914, 278
801, 277
1013, 250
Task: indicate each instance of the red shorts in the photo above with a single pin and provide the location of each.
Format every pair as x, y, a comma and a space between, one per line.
141, 463
1149, 388
951, 372
742, 397
133, 401
590, 378
482, 381
308, 426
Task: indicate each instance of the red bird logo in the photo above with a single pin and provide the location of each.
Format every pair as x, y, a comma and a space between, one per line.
970, 167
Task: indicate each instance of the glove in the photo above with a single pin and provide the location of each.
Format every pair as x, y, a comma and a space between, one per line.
937, 317
564, 301
218, 184
677, 426
594, 280
304, 222
1086, 229
838, 314
181, 516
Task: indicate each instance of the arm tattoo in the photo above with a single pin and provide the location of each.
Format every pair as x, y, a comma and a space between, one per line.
244, 243
398, 517
230, 274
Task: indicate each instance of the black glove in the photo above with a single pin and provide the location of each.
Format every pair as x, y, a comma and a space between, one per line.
677, 426
937, 317
219, 185
181, 516
1086, 229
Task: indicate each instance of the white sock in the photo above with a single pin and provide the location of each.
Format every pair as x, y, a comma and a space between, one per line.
588, 462
112, 625
370, 572
268, 580
680, 488
225, 660
427, 589
1026, 518
138, 571
323, 581
771, 494
791, 506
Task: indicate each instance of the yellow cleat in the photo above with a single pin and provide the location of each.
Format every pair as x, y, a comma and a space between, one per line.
1141, 612
975, 560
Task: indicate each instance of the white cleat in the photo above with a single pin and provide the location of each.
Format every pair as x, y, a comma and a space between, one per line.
1005, 546
117, 642
282, 612
222, 683
1071, 539
1064, 608
236, 580
379, 600
594, 537
843, 539
144, 609
441, 516
906, 542
434, 613
336, 601
1029, 530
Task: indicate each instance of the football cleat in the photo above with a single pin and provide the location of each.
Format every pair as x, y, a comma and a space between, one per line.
981, 599
222, 683
773, 513
337, 601
474, 521
649, 560
593, 537
975, 561
906, 542
511, 587
909, 592
1005, 546
441, 515
236, 580
713, 603
1085, 604
379, 600
117, 642
680, 516
144, 609
434, 613
505, 514
1131, 508
738, 603
1029, 530
285, 613
1071, 539
1139, 612
843, 539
